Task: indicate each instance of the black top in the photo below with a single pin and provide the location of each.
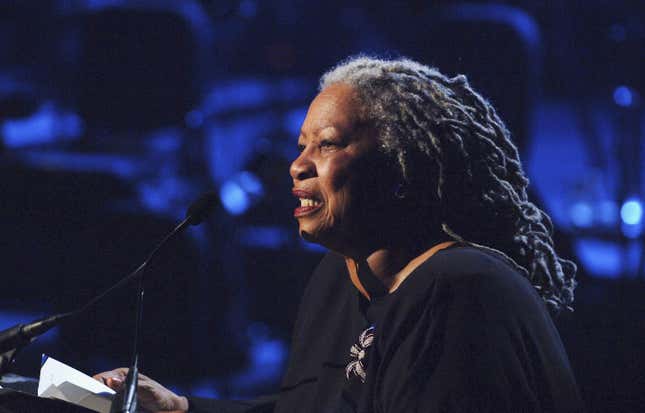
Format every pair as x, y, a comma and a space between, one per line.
465, 332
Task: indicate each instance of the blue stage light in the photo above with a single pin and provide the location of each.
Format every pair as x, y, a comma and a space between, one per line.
600, 258
266, 356
293, 121
250, 183
581, 214
623, 96
267, 353
632, 211
234, 199
608, 213
240, 192
50, 124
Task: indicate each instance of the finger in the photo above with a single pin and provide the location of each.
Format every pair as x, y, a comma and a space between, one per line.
112, 382
115, 383
113, 378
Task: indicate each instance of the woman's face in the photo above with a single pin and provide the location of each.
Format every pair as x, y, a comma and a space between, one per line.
334, 174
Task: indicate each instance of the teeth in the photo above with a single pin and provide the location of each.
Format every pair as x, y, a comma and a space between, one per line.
306, 202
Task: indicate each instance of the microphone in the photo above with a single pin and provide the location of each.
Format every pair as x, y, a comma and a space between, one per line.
22, 334
19, 336
199, 210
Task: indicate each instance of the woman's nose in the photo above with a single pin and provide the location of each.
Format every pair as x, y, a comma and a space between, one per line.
302, 167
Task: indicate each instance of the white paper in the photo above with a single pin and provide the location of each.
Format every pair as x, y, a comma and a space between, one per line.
60, 381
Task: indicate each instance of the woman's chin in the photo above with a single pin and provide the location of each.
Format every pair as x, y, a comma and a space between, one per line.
315, 236
309, 235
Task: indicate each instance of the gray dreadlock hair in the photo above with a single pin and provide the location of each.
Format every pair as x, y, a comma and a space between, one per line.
455, 156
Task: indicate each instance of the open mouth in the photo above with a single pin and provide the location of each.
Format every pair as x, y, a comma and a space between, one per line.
308, 203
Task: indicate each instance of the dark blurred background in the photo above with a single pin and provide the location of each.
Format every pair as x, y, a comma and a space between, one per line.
115, 115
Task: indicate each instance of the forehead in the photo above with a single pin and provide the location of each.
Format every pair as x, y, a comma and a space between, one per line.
334, 109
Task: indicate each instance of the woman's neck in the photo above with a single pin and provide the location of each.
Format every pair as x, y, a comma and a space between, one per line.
386, 263
391, 264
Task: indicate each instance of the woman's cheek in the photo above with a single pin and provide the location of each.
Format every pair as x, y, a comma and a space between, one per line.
339, 171
330, 214
342, 206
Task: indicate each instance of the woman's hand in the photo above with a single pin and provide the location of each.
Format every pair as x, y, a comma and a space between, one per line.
152, 396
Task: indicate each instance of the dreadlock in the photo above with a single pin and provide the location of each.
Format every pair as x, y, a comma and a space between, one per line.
455, 157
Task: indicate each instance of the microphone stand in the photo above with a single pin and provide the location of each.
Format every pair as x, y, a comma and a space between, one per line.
196, 213
126, 402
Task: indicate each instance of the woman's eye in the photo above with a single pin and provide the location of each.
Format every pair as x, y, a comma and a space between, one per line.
327, 144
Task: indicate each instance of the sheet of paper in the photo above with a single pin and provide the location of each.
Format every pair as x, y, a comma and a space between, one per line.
60, 381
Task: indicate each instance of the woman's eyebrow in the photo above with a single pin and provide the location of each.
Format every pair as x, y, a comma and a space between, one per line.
326, 128
317, 131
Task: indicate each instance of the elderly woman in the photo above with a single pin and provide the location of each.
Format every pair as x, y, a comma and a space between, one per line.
435, 295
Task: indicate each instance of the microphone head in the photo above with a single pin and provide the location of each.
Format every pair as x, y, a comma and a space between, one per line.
199, 210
